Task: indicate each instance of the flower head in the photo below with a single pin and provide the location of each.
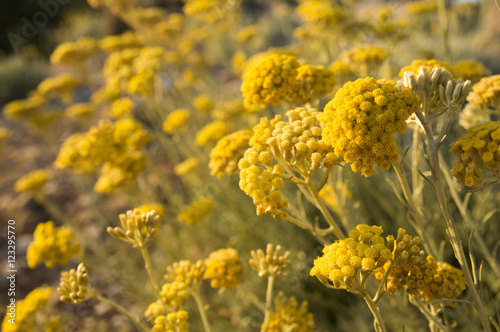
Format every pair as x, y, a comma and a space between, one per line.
314, 82
270, 263
196, 210
470, 70
175, 120
52, 245
476, 151
228, 151
186, 166
33, 181
360, 121
212, 132
74, 286
417, 64
186, 272
224, 268
136, 228
173, 322
289, 316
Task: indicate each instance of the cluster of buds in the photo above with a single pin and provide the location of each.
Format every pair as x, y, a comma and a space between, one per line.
137, 228
173, 322
270, 263
223, 268
186, 272
436, 88
74, 286
404, 248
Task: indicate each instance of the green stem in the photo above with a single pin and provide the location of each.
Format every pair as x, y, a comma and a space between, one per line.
269, 299
154, 282
379, 322
201, 308
381, 287
434, 322
123, 311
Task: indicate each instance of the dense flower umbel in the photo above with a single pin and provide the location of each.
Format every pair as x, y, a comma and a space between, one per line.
417, 64
224, 268
271, 81
485, 94
360, 121
52, 245
173, 294
270, 263
196, 210
33, 181
74, 286
173, 322
470, 70
226, 154
288, 316
427, 280
478, 150
25, 311
186, 272
186, 166
212, 132
175, 120
136, 228
363, 251
314, 82
318, 13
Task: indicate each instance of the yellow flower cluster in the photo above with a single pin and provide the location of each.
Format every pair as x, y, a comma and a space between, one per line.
173, 322
247, 33
470, 70
112, 147
318, 13
19, 109
61, 86
270, 263
25, 311
128, 39
416, 64
224, 268
203, 103
314, 82
272, 80
158, 208
366, 55
288, 316
52, 245
121, 107
196, 210
363, 251
33, 181
74, 286
186, 166
74, 53
137, 228
186, 272
226, 154
173, 294
175, 120
428, 280
479, 149
360, 121
212, 132
80, 110
485, 94
421, 7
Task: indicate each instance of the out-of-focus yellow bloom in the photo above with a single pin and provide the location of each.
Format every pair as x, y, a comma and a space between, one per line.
470, 70
196, 210
172, 27
288, 316
483, 102
247, 33
18, 109
314, 82
62, 85
173, 322
318, 13
271, 81
121, 107
149, 207
142, 83
360, 121
186, 166
126, 40
363, 251
72, 53
74, 286
5, 134
203, 103
175, 120
173, 294
476, 151
25, 311
223, 268
228, 151
186, 272
80, 110
421, 7
33, 181
146, 17
212, 132
52, 245
416, 64
238, 61
360, 59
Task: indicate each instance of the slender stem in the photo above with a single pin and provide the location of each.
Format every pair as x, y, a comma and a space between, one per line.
381, 287
154, 282
123, 311
269, 299
201, 308
430, 315
453, 234
379, 322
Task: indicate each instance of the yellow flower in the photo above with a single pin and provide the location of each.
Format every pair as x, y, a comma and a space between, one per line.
203, 103
318, 13
25, 311
121, 107
476, 151
288, 316
416, 64
175, 120
360, 121
226, 154
62, 85
52, 245
196, 210
71, 53
142, 83
421, 7
74, 286
314, 82
149, 207
186, 166
470, 70
212, 132
18, 109
485, 94
271, 81
173, 294
137, 227
126, 40
224, 268
270, 263
247, 33
173, 322
33, 181
80, 110
186, 272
